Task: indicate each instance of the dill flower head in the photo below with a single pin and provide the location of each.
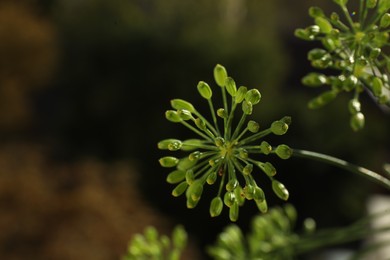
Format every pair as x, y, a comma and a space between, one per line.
225, 151
353, 47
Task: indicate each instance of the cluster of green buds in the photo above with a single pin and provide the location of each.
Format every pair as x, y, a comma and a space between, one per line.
271, 237
354, 47
153, 246
222, 153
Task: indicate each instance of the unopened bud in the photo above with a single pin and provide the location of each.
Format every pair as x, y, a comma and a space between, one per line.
220, 75
216, 207
283, 151
231, 86
180, 189
279, 128
173, 116
168, 161
240, 95
204, 90
357, 121
176, 176
247, 107
182, 104
253, 96
280, 190
253, 126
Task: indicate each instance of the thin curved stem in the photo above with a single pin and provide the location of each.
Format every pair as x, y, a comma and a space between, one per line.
373, 176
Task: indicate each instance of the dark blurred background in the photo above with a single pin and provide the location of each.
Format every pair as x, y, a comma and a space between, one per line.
84, 85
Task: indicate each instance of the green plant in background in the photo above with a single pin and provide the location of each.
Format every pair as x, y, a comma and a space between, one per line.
152, 246
224, 156
353, 51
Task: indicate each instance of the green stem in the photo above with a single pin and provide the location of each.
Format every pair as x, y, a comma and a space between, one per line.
197, 131
373, 176
255, 136
212, 110
348, 17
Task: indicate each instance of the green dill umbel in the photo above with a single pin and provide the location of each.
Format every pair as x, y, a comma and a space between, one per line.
353, 46
228, 156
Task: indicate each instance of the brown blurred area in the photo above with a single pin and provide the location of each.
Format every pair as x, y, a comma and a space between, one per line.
28, 58
50, 210
85, 210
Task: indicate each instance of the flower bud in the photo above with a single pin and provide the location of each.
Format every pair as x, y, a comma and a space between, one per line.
180, 189
377, 86
195, 190
233, 212
314, 79
304, 34
211, 178
259, 194
315, 11
189, 176
194, 156
249, 192
229, 198
247, 169
265, 147
231, 86
222, 113
216, 207
239, 195
324, 24
168, 161
219, 141
173, 116
332, 42
176, 176
280, 190
268, 169
253, 96
357, 121
182, 104
174, 146
200, 124
279, 127
316, 54
231, 185
324, 62
185, 114
253, 126
354, 106
262, 205
350, 82
191, 203
247, 107
322, 99
164, 144
220, 75
185, 164
385, 21
334, 17
243, 153
240, 95
286, 119
204, 90
283, 151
